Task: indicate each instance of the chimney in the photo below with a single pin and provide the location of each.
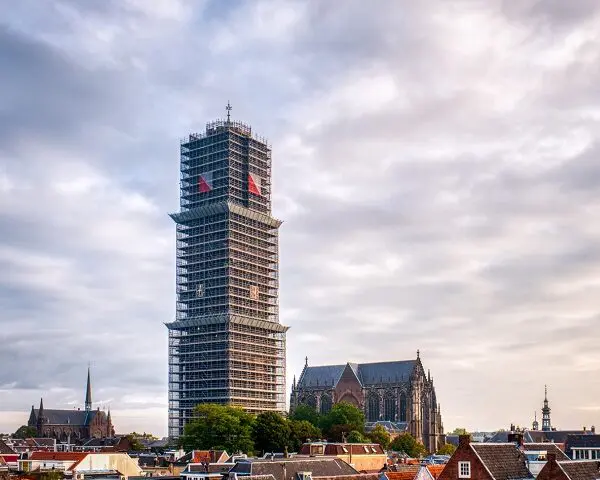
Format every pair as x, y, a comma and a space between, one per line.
584, 428
551, 457
593, 429
516, 438
464, 440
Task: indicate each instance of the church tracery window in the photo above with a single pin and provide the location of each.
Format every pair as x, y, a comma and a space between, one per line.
403, 408
373, 407
326, 404
311, 401
389, 407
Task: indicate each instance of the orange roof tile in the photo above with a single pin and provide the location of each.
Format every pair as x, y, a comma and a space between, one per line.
406, 473
435, 470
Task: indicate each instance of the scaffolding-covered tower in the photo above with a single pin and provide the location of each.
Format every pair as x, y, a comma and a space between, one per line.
226, 345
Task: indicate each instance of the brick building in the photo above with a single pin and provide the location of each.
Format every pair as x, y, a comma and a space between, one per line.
486, 461
570, 469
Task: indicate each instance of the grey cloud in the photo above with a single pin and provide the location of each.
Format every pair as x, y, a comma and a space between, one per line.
415, 222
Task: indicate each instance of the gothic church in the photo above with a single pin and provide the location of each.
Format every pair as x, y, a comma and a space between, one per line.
398, 392
72, 426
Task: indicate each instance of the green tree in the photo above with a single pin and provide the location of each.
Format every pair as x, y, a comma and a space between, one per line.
406, 443
459, 431
381, 436
356, 437
271, 432
306, 412
301, 432
25, 431
342, 419
219, 427
134, 442
446, 449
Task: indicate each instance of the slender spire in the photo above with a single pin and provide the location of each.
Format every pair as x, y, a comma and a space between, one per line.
306, 361
546, 422
88, 392
41, 410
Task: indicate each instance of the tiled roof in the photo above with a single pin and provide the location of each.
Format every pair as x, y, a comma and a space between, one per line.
547, 447
358, 476
367, 373
5, 449
586, 440
404, 472
210, 456
503, 460
581, 470
286, 469
435, 470
61, 456
64, 417
502, 437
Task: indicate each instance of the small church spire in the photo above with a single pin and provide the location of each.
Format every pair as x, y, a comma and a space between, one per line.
88, 392
546, 423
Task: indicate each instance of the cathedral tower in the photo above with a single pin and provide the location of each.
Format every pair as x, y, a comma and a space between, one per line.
226, 344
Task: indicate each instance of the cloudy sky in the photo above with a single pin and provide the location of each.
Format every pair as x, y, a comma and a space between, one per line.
436, 165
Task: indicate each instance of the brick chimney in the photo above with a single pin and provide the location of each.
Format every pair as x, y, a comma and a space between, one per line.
464, 440
551, 457
593, 429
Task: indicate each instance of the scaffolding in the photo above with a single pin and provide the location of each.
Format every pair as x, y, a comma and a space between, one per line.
226, 344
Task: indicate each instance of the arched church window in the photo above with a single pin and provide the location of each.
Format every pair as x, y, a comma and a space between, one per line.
390, 408
311, 401
326, 404
373, 408
403, 408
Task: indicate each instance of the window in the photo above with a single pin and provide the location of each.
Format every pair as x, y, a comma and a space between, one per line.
464, 469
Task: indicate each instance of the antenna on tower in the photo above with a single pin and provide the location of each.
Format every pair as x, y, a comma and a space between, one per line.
228, 108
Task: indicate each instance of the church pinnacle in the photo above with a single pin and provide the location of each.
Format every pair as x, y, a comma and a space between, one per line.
88, 393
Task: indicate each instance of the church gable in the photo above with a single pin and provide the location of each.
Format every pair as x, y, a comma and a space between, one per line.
348, 388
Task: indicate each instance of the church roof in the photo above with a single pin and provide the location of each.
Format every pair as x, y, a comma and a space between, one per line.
367, 373
64, 417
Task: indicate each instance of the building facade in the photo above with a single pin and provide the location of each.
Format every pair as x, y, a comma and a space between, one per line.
226, 344
72, 426
397, 392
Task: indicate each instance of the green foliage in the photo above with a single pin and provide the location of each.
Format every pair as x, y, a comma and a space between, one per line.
306, 412
356, 437
219, 427
406, 443
25, 431
301, 432
271, 432
446, 449
381, 436
134, 443
342, 419
459, 431
51, 475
